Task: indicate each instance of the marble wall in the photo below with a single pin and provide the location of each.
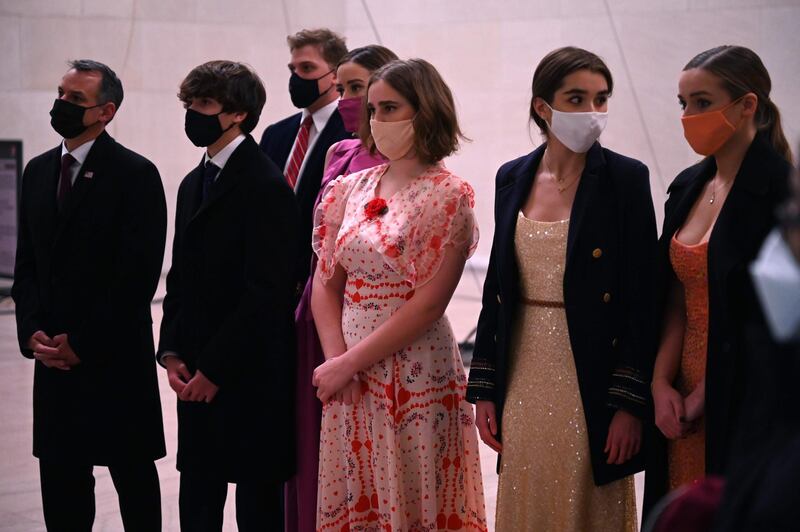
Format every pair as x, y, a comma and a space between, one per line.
486, 50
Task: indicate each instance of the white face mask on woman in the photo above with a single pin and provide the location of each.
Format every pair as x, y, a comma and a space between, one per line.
577, 131
776, 277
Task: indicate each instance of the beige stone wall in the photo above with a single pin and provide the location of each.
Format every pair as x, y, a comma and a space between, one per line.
485, 49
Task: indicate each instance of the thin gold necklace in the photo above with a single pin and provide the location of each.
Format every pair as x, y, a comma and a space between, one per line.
714, 192
561, 188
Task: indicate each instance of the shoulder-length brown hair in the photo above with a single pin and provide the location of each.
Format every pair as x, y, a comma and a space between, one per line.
436, 130
741, 71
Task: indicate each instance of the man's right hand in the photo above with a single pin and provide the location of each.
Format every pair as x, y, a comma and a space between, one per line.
177, 373
39, 340
45, 350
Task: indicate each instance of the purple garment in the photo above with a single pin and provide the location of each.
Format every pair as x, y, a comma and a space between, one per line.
348, 157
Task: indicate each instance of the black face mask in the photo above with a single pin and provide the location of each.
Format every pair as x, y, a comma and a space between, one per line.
67, 118
203, 130
304, 92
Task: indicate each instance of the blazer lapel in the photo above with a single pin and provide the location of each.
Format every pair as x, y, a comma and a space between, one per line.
194, 194
329, 134
48, 204
687, 193
746, 211
285, 149
510, 199
230, 176
587, 188
93, 168
314, 160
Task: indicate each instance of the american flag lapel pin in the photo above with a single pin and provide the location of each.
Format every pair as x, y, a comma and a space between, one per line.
88, 175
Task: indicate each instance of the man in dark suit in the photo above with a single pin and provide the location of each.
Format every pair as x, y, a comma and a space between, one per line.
298, 144
91, 242
227, 337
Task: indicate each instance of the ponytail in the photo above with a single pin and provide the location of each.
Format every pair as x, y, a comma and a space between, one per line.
768, 121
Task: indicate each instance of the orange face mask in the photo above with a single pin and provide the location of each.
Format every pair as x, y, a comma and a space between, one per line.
708, 132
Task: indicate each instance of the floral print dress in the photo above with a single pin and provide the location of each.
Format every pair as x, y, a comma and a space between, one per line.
405, 457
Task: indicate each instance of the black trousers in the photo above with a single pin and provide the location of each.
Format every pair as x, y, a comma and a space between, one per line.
202, 500
68, 496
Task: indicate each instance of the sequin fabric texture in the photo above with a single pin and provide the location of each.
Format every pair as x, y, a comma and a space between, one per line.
546, 481
405, 458
686, 456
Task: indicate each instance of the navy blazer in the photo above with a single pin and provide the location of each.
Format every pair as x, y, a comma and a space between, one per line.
277, 142
744, 221
608, 294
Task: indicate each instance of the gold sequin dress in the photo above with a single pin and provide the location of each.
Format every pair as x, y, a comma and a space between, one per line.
546, 481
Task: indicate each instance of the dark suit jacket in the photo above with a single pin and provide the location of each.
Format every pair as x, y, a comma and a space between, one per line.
743, 223
611, 337
761, 488
91, 273
228, 312
277, 142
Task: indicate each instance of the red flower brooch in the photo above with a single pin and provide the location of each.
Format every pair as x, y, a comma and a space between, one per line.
376, 207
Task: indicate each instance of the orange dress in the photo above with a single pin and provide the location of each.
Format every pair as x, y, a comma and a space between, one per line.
686, 456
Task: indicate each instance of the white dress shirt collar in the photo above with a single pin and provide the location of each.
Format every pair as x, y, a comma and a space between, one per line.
321, 115
78, 153
222, 156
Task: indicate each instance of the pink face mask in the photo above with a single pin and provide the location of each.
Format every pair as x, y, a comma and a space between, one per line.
350, 109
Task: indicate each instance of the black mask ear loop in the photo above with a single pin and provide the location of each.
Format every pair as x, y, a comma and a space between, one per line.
321, 94
227, 128
92, 107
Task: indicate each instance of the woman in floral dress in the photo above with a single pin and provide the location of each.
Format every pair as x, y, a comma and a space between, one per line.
398, 448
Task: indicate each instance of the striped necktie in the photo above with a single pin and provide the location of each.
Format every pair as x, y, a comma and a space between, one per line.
299, 152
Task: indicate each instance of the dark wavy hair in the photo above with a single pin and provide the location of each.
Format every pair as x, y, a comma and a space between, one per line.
235, 85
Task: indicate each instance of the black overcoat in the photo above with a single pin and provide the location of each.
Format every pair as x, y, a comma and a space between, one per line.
91, 272
228, 312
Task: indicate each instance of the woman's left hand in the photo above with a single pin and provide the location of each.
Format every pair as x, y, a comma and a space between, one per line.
696, 403
624, 438
331, 376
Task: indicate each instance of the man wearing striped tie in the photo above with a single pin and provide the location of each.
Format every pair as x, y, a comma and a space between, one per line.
298, 144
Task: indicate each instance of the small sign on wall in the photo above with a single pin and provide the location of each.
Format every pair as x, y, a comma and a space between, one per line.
10, 180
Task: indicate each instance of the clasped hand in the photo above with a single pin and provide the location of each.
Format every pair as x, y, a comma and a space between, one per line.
335, 379
53, 352
675, 415
197, 388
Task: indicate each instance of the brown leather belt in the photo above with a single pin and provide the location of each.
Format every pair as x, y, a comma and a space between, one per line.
542, 303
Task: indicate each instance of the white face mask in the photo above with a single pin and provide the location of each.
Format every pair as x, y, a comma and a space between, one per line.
577, 131
776, 277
